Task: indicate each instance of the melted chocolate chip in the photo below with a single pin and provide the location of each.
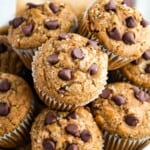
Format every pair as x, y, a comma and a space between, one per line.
131, 120
4, 85
77, 53
4, 109
105, 93
32, 5
72, 147
72, 115
49, 144
16, 22
128, 38
65, 74
52, 24
3, 48
85, 135
50, 118
136, 62
129, 3
92, 43
146, 55
93, 69
28, 29
114, 34
131, 22
53, 59
119, 100
53, 7
110, 6
63, 36
72, 129
144, 23
147, 69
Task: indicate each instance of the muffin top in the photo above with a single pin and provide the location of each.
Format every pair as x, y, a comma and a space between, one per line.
39, 23
15, 102
70, 68
119, 27
123, 109
138, 71
66, 131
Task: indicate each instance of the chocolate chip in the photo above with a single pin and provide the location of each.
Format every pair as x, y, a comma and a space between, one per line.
3, 48
93, 69
49, 144
147, 69
136, 62
128, 38
77, 53
50, 118
72, 129
129, 3
65, 74
114, 34
131, 120
119, 100
53, 59
72, 147
85, 135
105, 93
144, 23
53, 7
62, 90
92, 43
4, 109
52, 24
4, 85
146, 55
28, 29
110, 6
131, 22
32, 5
63, 36
16, 22
72, 115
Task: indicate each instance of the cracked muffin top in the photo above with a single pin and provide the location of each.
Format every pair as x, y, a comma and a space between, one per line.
119, 27
70, 68
123, 109
39, 23
66, 131
15, 102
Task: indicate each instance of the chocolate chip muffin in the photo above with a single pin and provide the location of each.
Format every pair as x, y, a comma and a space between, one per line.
122, 111
36, 25
66, 131
9, 60
16, 110
69, 71
121, 30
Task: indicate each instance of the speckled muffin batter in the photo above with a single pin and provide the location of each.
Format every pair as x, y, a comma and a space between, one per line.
66, 131
69, 70
16, 110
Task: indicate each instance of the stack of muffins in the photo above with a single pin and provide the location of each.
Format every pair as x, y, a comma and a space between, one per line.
82, 107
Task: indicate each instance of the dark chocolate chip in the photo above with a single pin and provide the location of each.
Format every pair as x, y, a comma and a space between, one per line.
85, 135
131, 22
144, 23
50, 118
32, 5
49, 144
105, 93
53, 7
110, 6
4, 109
4, 85
52, 24
92, 43
93, 69
65, 74
131, 120
147, 69
129, 3
119, 100
72, 129
72, 147
53, 59
136, 62
28, 29
3, 48
128, 38
63, 36
72, 115
114, 34
77, 53
146, 55
16, 22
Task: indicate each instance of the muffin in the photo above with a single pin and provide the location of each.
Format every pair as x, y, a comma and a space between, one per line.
16, 110
69, 71
36, 25
66, 131
121, 30
9, 60
123, 113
